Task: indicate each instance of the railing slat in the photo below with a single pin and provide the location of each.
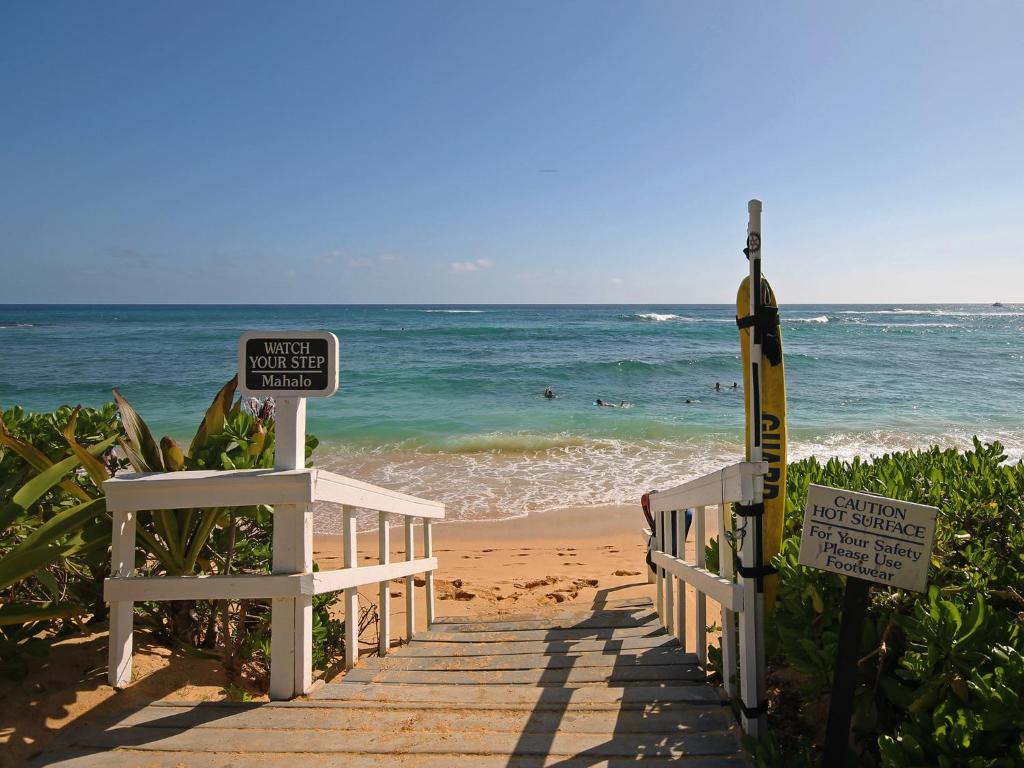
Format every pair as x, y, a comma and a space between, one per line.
659, 573
384, 607
700, 539
428, 552
733, 483
680, 550
410, 596
670, 603
351, 593
726, 571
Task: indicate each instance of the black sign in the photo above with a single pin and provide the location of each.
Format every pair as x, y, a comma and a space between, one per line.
282, 363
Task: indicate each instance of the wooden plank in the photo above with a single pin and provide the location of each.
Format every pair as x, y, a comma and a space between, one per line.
412, 742
355, 493
122, 758
589, 621
235, 587
371, 718
505, 696
657, 656
654, 673
733, 483
208, 488
644, 605
417, 648
346, 578
553, 635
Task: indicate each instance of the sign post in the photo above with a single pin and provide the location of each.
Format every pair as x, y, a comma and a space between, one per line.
290, 366
869, 539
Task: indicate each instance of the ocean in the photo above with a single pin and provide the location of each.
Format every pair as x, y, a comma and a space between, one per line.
447, 402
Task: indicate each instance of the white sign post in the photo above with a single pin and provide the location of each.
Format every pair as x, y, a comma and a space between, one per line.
290, 366
869, 539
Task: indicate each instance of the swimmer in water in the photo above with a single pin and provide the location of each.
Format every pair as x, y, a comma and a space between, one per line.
549, 393
735, 385
718, 386
603, 404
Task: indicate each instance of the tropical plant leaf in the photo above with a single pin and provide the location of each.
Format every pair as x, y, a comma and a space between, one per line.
37, 460
20, 613
92, 465
31, 491
139, 436
63, 523
20, 563
216, 414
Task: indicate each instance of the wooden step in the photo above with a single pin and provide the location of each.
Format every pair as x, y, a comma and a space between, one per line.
652, 674
590, 621
608, 662
636, 606
625, 644
129, 758
552, 635
533, 697
371, 718
414, 742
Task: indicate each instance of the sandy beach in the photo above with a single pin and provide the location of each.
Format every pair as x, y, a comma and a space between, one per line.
559, 558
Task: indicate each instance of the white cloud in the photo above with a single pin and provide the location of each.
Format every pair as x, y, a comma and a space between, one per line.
616, 281
471, 266
359, 261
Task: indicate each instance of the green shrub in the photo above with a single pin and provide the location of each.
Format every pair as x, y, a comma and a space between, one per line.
941, 675
54, 528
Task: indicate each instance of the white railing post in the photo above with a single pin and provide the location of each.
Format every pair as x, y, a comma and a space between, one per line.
428, 551
122, 565
681, 597
351, 594
410, 583
384, 552
726, 570
700, 628
291, 622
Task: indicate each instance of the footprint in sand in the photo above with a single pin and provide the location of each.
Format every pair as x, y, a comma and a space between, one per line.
536, 583
627, 573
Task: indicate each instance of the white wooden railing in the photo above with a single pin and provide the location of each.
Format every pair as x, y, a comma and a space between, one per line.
292, 583
735, 594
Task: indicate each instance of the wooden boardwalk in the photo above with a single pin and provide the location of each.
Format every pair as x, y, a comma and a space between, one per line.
604, 687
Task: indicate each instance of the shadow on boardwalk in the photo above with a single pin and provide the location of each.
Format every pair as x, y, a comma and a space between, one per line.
607, 687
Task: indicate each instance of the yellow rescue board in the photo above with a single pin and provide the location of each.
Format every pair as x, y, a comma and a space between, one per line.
773, 432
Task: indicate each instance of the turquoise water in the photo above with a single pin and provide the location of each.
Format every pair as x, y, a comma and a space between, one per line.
446, 401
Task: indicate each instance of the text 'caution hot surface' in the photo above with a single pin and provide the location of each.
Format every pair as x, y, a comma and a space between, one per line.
870, 537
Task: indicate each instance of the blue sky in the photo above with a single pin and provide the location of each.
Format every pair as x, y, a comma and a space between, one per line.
527, 152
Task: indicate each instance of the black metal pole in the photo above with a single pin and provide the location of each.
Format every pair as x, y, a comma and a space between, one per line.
844, 681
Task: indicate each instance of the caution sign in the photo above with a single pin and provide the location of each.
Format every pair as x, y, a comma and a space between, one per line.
869, 537
288, 363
